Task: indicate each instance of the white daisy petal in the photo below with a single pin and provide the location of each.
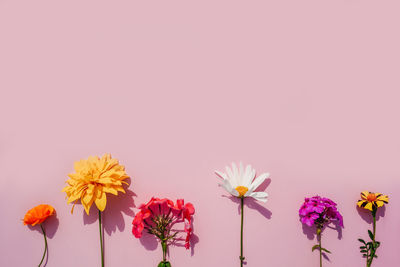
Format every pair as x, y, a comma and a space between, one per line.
258, 181
249, 176
228, 187
229, 171
248, 193
221, 174
241, 172
261, 196
235, 173
248, 170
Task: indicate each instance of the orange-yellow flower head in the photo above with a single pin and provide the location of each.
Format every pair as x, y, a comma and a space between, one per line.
38, 214
94, 178
372, 201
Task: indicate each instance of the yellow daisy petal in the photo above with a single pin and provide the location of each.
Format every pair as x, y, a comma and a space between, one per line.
364, 195
368, 206
379, 203
360, 202
383, 198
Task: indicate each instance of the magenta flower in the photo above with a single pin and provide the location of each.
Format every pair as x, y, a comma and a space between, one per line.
309, 218
319, 212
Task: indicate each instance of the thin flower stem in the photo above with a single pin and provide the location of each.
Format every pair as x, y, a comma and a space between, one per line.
45, 245
101, 240
374, 227
371, 257
319, 237
164, 249
241, 232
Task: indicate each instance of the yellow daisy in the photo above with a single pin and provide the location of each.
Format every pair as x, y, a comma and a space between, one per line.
94, 178
371, 201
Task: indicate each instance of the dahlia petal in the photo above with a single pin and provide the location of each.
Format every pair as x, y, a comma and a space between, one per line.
101, 201
73, 198
110, 189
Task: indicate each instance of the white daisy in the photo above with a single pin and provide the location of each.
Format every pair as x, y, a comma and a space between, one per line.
240, 182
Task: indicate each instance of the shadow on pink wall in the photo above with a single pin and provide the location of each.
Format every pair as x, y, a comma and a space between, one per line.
151, 243
252, 203
310, 232
366, 214
51, 227
113, 215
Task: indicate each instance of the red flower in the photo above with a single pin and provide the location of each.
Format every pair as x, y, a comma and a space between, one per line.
158, 216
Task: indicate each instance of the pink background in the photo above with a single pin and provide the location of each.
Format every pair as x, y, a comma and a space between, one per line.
306, 90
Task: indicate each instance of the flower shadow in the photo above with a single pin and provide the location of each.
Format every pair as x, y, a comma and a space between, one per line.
50, 226
149, 241
264, 185
253, 203
194, 239
113, 215
119, 205
310, 231
367, 216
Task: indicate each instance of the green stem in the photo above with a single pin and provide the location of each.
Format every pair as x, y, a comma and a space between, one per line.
374, 226
45, 244
319, 237
241, 232
164, 250
373, 252
101, 240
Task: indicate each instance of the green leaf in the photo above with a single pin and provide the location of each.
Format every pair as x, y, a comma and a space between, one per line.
315, 247
363, 251
362, 241
327, 251
164, 264
370, 235
363, 247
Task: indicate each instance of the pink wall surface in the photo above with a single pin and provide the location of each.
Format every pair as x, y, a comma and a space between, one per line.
305, 90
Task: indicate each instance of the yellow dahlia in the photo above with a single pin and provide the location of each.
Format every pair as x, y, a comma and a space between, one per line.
94, 178
371, 201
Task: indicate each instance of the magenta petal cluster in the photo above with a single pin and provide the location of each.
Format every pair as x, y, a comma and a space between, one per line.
319, 211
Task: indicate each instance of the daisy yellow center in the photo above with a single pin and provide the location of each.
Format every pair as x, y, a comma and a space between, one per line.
241, 190
371, 197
